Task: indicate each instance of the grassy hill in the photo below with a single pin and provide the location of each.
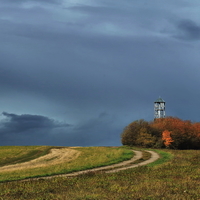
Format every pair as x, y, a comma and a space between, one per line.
177, 178
18, 154
16, 161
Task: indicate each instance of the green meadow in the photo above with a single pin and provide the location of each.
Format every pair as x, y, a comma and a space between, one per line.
176, 176
90, 157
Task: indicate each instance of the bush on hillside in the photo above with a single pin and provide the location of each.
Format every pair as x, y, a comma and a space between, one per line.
167, 132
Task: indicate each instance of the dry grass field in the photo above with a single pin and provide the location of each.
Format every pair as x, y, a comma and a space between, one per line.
54, 157
175, 176
26, 162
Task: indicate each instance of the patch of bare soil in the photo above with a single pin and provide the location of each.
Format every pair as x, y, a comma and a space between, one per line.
56, 156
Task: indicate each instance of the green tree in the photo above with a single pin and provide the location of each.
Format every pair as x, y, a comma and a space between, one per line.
134, 131
145, 139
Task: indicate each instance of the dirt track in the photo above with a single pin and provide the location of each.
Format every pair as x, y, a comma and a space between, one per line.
67, 154
111, 168
120, 166
154, 157
55, 156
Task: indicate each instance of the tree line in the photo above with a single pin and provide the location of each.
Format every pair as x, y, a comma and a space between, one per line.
169, 132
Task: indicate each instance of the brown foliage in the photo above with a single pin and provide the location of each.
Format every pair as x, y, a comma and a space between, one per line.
132, 131
173, 132
184, 133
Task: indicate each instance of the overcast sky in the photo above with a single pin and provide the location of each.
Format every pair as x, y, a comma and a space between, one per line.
76, 72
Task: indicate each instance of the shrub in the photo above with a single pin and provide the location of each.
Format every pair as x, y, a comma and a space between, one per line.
167, 132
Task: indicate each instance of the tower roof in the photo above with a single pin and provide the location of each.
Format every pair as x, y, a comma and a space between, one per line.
159, 100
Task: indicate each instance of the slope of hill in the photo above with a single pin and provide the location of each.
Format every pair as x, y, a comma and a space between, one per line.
177, 178
25, 162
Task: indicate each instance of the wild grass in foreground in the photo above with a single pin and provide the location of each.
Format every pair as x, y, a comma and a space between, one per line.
177, 179
90, 157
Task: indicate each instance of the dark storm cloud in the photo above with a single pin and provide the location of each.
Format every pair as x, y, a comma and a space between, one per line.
24, 123
95, 64
29, 129
188, 30
97, 131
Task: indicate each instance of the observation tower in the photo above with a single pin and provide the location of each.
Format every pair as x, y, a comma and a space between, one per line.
159, 108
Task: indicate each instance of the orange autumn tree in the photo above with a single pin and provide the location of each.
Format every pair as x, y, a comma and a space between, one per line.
181, 131
166, 137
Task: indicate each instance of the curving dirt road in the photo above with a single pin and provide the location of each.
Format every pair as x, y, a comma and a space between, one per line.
113, 168
120, 166
62, 154
154, 157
